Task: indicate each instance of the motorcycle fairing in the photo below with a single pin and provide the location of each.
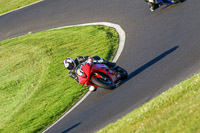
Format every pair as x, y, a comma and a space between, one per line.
105, 69
85, 77
95, 68
100, 68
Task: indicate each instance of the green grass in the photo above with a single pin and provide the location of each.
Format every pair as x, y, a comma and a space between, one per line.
35, 88
9, 5
175, 111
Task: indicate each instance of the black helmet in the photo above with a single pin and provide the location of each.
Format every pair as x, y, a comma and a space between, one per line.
69, 63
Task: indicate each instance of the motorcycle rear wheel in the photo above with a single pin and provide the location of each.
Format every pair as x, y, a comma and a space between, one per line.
123, 73
103, 84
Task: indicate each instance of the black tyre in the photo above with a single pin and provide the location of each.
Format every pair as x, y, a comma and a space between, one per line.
181, 1
123, 72
106, 84
177, 1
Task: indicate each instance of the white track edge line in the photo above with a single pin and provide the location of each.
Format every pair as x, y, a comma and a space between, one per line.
122, 37
117, 27
79, 102
21, 8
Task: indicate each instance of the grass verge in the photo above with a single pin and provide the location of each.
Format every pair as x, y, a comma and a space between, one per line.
175, 111
35, 88
9, 5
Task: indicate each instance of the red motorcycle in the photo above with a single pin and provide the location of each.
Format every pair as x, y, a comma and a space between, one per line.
100, 75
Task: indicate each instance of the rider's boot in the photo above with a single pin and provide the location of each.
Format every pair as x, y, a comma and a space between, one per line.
92, 88
151, 6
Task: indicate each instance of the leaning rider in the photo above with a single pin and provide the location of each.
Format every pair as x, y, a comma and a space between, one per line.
71, 65
154, 4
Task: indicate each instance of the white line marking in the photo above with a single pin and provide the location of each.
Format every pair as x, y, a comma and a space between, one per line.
79, 102
21, 8
122, 37
118, 53
119, 30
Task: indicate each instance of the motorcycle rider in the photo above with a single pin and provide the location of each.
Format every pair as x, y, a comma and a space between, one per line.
154, 4
71, 65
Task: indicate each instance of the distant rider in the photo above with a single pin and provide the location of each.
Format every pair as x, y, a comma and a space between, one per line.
154, 4
71, 65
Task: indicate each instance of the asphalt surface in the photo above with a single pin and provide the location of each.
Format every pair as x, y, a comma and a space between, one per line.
161, 49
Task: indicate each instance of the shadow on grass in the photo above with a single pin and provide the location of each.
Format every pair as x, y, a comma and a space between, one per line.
150, 63
69, 129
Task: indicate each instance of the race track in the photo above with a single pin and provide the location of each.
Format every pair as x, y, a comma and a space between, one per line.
161, 49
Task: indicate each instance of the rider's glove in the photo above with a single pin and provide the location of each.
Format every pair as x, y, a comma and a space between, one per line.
90, 60
102, 61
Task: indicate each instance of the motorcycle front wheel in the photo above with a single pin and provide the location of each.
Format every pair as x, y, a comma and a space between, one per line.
106, 84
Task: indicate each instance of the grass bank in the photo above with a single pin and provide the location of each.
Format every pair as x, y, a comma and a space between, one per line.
35, 88
9, 5
175, 111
